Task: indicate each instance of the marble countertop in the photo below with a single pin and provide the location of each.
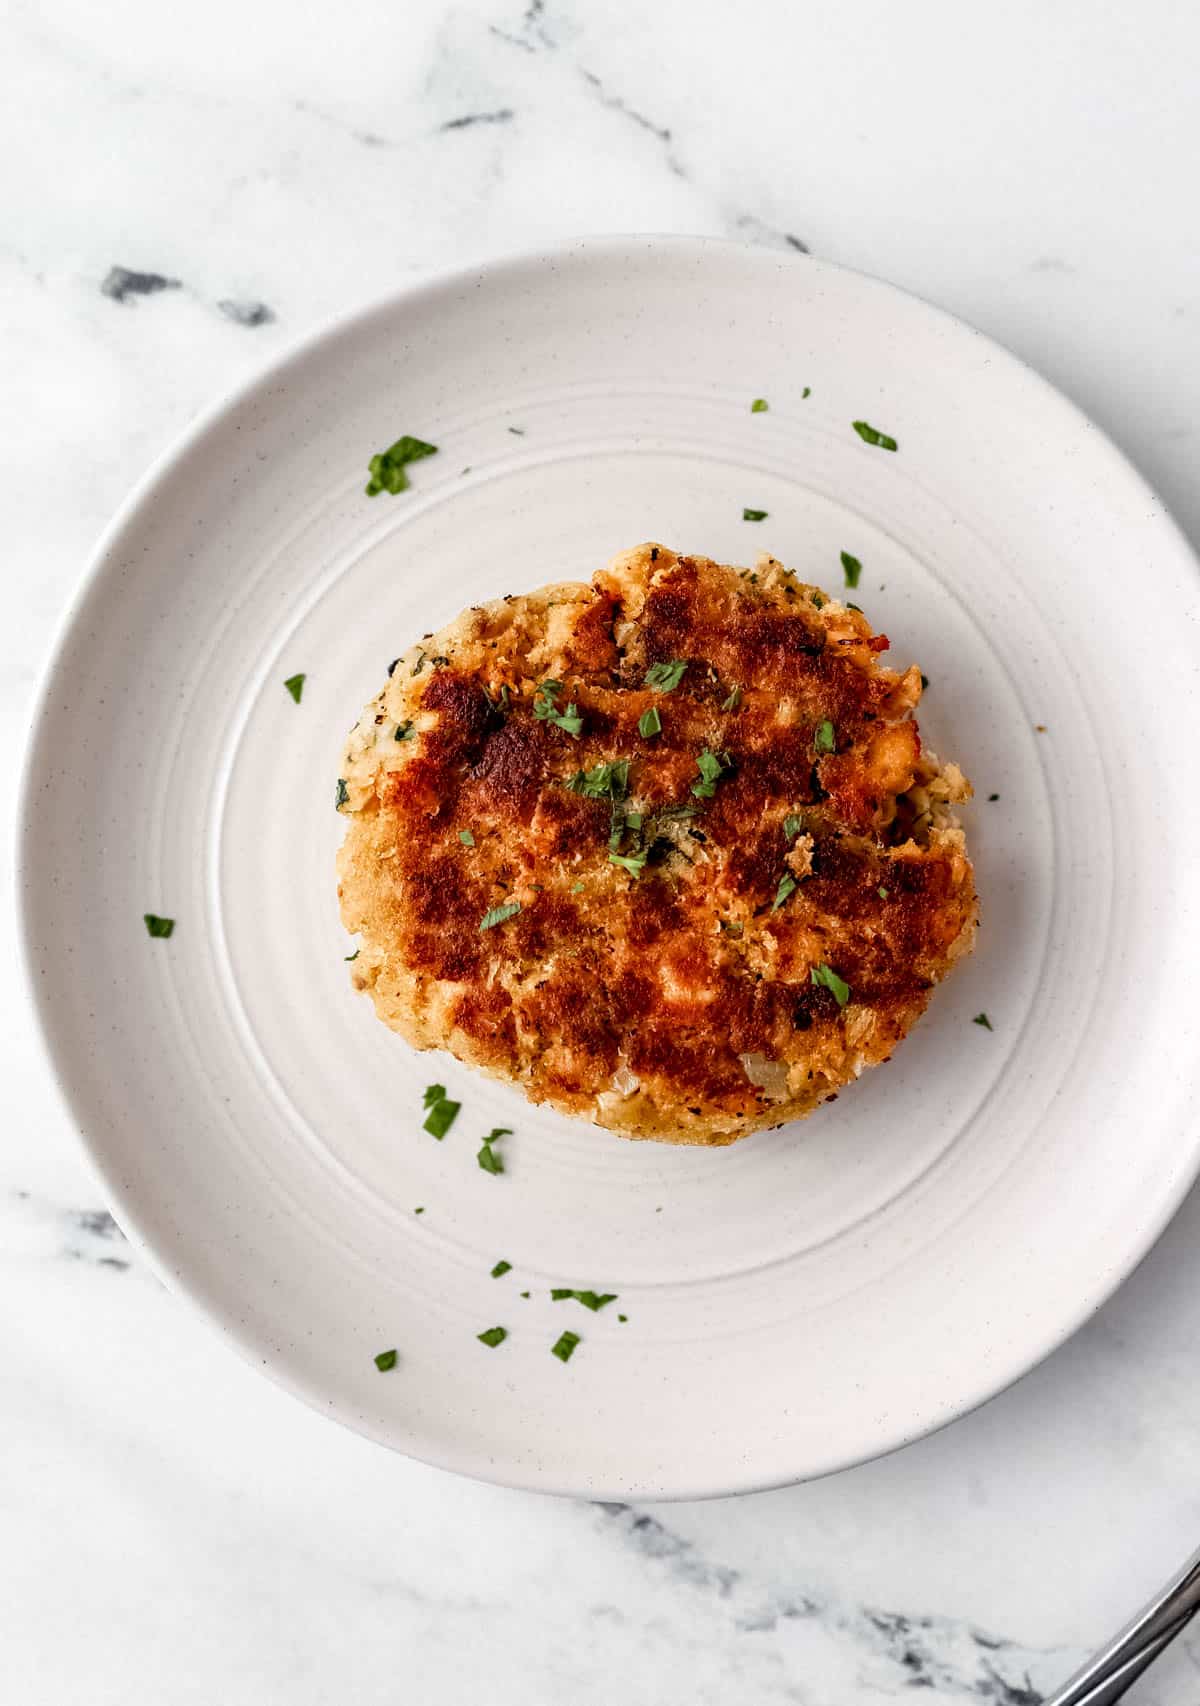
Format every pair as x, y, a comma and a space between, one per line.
186, 192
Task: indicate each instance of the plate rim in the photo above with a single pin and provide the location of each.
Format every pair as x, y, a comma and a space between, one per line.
1143, 1236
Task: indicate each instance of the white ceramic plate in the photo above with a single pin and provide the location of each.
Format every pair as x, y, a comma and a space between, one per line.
812, 1296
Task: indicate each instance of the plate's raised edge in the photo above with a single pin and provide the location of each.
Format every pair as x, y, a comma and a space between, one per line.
206, 422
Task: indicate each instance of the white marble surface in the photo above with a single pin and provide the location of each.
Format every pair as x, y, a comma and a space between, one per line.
173, 1529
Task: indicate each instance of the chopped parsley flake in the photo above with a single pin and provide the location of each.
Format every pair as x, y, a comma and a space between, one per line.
385, 1360
295, 686
852, 569
467, 839
924, 682
824, 739
711, 770
857, 607
577, 888
343, 793
631, 862
882, 893
786, 884
759, 406
870, 435
488, 1160
792, 825
545, 709
733, 701
404, 731
665, 677
353, 956
807, 392
387, 469
993, 796
754, 514
419, 1210
593, 1300
603, 781
818, 601
564, 1346
156, 926
622, 1317
442, 1112
493, 1337
650, 723
826, 978
501, 1269
500, 914
982, 1019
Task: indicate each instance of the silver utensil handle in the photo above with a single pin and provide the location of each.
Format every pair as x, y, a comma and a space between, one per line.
1115, 1668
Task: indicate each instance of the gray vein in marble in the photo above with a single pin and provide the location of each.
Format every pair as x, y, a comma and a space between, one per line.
616, 104
246, 313
368, 138
502, 115
88, 1235
121, 283
749, 225
888, 1650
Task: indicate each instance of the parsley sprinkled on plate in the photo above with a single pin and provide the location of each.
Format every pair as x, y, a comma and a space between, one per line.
342, 794
786, 884
665, 677
156, 926
545, 709
759, 406
564, 1346
631, 862
489, 1161
499, 915
711, 770
603, 781
870, 435
442, 1111
353, 956
754, 514
826, 978
824, 739
593, 1300
387, 468
650, 723
493, 1337
501, 1269
993, 796
852, 569
807, 392
385, 1360
982, 1019
295, 686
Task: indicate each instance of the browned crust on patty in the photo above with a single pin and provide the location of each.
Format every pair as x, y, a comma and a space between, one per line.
649, 999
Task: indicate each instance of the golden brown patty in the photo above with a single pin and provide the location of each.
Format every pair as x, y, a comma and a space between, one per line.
684, 902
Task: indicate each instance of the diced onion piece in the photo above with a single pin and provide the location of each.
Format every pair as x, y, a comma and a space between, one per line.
768, 1075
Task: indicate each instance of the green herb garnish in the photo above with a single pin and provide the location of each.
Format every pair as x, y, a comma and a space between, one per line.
818, 601
882, 893
593, 1300
759, 406
467, 839
499, 914
603, 781
501, 1269
631, 862
826, 978
387, 468
545, 709
622, 1317
564, 1346
353, 956
665, 677
733, 701
982, 1019
385, 1360
343, 793
442, 1111
404, 731
754, 514
850, 606
419, 1210
156, 926
489, 1161
711, 770
650, 723
807, 392
924, 683
577, 888
824, 739
792, 825
493, 1337
869, 435
295, 686
993, 796
786, 884
852, 569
